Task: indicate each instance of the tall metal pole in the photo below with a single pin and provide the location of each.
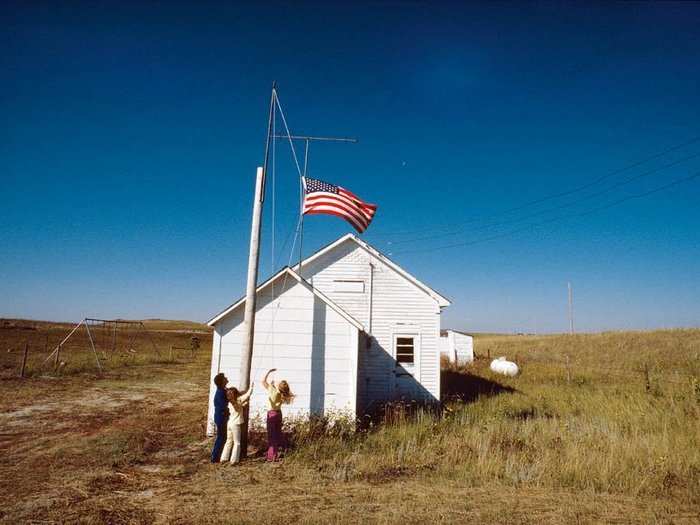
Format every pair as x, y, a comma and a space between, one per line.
571, 310
253, 258
58, 348
92, 344
301, 206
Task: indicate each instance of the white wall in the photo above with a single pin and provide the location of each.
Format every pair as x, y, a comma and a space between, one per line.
457, 347
446, 346
398, 306
313, 347
464, 347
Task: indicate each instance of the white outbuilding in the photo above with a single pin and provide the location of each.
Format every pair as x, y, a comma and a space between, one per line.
458, 347
354, 329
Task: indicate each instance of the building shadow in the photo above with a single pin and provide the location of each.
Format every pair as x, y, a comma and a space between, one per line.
467, 387
389, 393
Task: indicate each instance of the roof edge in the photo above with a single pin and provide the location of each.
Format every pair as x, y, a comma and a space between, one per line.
438, 297
214, 320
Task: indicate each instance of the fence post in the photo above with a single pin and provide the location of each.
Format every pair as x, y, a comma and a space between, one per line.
24, 360
647, 382
568, 369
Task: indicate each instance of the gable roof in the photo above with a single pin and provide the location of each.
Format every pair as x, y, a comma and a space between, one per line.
445, 331
288, 272
441, 299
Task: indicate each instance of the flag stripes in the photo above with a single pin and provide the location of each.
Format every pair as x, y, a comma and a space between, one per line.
324, 198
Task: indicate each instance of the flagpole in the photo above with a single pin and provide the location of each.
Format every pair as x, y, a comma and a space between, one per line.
301, 206
253, 260
307, 139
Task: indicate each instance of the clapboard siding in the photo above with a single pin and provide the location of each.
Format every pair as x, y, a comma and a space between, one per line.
457, 347
397, 306
357, 369
312, 345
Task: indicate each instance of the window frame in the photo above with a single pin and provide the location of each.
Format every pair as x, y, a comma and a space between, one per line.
414, 344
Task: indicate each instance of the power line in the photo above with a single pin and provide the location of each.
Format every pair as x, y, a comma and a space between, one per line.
555, 219
555, 208
604, 177
566, 192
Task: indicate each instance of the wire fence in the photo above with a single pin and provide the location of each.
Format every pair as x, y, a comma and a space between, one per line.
43, 348
650, 374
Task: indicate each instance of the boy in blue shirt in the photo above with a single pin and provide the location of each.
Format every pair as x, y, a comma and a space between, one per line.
221, 414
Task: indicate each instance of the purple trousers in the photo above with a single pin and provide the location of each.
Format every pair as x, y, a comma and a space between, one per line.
275, 438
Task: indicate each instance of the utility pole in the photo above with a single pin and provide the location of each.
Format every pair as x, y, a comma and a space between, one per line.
252, 283
571, 310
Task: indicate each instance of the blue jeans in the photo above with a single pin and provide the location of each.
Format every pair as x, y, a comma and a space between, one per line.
220, 440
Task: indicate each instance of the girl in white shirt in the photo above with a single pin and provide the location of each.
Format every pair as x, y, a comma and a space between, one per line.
236, 404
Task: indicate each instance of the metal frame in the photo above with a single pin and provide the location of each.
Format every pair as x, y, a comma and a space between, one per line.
137, 325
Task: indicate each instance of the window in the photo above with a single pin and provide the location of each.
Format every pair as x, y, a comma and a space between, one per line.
404, 350
343, 285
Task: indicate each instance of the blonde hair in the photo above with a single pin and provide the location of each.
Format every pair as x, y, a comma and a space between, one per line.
285, 392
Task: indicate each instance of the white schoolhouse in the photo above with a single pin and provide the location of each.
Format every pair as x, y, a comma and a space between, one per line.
354, 329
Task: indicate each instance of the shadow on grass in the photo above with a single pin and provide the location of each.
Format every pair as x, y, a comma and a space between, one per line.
467, 387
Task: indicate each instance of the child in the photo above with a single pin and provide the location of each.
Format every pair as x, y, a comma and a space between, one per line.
277, 395
221, 414
237, 403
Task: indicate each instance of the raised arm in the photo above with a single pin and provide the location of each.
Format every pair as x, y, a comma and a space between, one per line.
243, 398
264, 382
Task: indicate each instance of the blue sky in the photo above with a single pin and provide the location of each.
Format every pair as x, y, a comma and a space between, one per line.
132, 131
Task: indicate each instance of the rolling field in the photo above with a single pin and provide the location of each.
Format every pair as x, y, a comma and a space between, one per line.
597, 428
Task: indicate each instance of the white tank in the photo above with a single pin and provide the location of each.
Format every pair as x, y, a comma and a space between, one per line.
504, 367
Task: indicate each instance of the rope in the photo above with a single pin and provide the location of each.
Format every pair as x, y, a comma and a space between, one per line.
284, 286
296, 230
274, 203
289, 136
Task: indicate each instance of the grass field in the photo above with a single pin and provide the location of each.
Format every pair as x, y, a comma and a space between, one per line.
127, 345
597, 428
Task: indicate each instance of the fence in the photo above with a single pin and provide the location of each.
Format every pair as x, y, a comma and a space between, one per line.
31, 348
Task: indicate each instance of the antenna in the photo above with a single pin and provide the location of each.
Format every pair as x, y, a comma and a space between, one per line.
307, 139
571, 309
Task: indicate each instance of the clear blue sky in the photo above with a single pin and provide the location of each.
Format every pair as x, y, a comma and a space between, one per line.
131, 132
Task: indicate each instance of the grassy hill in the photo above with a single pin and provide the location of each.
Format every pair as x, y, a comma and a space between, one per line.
598, 428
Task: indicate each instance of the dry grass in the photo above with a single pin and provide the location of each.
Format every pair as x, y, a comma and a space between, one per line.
125, 347
598, 443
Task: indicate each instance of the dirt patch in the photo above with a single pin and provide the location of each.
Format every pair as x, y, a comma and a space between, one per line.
99, 450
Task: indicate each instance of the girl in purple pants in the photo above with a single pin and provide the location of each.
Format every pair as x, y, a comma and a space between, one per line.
278, 394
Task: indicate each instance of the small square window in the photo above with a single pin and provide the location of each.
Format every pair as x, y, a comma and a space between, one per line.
404, 350
348, 286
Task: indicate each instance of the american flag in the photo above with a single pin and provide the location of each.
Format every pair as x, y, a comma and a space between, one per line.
322, 197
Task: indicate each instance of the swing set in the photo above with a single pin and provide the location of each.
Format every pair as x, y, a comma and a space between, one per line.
108, 339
